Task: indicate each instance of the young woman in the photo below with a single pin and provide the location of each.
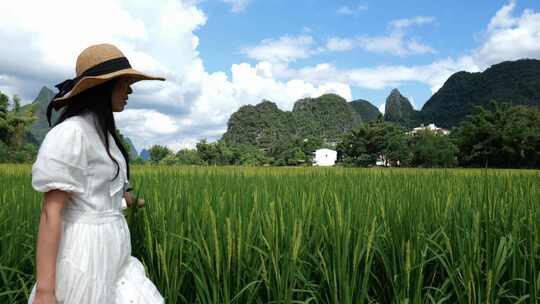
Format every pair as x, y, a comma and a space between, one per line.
84, 246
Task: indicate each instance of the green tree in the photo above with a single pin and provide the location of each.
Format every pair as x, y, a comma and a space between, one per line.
14, 125
16, 104
207, 152
506, 136
157, 153
378, 139
431, 149
188, 157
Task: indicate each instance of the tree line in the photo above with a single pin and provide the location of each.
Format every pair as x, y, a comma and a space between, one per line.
508, 136
505, 136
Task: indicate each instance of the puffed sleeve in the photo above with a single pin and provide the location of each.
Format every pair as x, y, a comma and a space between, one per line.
61, 161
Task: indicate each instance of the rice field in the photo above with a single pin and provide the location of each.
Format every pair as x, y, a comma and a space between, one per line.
312, 235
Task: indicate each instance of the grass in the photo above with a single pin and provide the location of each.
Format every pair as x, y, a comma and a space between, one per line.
313, 235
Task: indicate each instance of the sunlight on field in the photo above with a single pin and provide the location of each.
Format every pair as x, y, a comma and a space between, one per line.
319, 235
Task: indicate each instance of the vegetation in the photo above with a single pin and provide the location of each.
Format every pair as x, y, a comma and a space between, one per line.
508, 137
13, 124
367, 111
374, 141
431, 149
312, 235
516, 82
260, 135
265, 126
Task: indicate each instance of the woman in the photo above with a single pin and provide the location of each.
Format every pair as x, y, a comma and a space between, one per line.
84, 247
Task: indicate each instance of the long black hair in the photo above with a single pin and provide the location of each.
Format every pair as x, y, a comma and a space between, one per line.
97, 100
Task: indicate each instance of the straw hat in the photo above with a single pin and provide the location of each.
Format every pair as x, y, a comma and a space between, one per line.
95, 65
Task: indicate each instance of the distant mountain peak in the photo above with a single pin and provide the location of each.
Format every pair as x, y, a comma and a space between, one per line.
394, 92
399, 109
45, 95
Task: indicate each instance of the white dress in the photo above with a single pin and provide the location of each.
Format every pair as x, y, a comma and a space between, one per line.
94, 263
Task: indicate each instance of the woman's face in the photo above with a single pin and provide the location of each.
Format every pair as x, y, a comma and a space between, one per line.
120, 94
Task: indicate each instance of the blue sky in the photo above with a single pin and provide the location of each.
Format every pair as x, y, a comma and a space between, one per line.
219, 55
457, 28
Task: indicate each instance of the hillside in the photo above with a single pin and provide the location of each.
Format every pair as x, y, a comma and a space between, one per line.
400, 110
264, 124
517, 82
328, 116
365, 109
40, 127
259, 125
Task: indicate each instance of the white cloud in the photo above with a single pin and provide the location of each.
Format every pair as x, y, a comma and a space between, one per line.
348, 10
158, 38
416, 47
382, 107
385, 76
284, 49
408, 22
148, 123
190, 105
507, 37
503, 18
340, 44
237, 5
257, 82
395, 42
510, 37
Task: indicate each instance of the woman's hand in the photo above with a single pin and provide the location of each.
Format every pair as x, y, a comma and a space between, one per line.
44, 297
130, 199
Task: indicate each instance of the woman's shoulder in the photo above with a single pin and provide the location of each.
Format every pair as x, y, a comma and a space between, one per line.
76, 123
70, 131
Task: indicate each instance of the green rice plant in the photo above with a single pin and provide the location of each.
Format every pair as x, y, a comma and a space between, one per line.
312, 235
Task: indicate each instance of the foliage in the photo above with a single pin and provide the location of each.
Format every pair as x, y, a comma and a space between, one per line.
13, 126
507, 136
365, 109
432, 149
158, 153
376, 140
188, 157
265, 126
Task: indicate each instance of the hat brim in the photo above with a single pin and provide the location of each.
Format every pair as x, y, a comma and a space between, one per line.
92, 81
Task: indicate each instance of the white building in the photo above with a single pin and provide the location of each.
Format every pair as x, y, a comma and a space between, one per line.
430, 127
325, 157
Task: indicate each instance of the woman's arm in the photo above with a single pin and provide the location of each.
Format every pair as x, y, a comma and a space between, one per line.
50, 229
